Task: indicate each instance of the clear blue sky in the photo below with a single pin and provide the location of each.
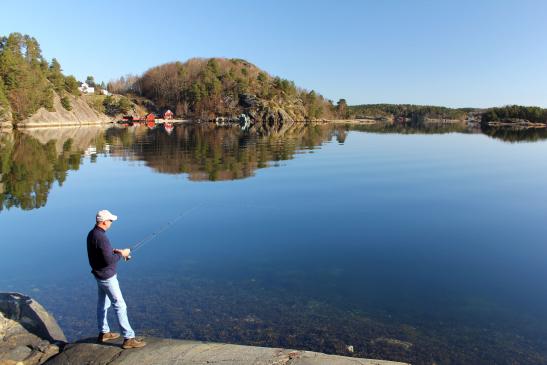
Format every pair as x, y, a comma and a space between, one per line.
454, 53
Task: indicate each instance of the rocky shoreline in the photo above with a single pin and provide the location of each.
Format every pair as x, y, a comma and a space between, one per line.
29, 335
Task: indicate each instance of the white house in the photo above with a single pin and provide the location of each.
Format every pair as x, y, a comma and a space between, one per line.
86, 89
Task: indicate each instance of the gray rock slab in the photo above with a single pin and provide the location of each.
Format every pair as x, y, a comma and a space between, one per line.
81, 114
181, 352
31, 315
18, 346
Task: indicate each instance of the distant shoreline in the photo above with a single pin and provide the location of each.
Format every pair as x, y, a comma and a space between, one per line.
520, 124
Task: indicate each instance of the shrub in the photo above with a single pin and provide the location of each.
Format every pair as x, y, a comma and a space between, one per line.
65, 102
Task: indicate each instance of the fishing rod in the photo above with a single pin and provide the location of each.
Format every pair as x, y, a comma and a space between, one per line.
164, 228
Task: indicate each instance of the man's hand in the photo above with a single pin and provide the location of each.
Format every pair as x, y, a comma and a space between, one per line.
124, 253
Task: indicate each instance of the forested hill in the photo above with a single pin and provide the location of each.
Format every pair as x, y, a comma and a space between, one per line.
28, 81
209, 88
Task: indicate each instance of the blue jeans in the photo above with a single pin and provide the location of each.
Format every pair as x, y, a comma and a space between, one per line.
110, 294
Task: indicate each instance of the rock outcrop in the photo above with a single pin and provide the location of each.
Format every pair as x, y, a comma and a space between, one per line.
272, 115
80, 114
264, 116
167, 352
29, 335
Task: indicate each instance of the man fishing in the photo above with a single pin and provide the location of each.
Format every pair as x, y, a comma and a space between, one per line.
103, 260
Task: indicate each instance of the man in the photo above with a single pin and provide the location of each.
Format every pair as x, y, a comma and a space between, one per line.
103, 260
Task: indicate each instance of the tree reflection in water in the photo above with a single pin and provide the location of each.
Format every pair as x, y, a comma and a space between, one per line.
32, 161
208, 153
29, 169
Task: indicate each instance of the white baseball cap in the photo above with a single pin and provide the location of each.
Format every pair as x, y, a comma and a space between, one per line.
105, 215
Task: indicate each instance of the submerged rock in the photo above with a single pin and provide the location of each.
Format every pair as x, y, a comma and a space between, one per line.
392, 342
29, 335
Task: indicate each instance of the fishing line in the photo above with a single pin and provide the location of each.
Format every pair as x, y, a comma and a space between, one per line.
164, 228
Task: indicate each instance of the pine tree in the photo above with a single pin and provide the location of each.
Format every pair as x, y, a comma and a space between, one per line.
55, 75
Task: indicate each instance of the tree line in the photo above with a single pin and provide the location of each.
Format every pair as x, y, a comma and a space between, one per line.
532, 114
27, 80
506, 113
379, 111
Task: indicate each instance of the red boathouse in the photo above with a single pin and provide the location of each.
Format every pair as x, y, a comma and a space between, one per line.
150, 118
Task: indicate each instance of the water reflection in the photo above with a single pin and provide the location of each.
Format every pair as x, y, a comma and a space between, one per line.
506, 134
416, 127
405, 256
29, 169
33, 160
208, 153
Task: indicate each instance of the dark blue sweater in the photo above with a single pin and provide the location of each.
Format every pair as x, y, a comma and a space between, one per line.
99, 252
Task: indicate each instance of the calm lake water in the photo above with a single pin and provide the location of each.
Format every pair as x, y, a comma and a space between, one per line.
426, 245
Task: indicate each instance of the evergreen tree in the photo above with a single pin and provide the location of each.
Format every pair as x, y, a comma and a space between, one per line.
3, 99
71, 85
342, 108
90, 80
55, 75
27, 80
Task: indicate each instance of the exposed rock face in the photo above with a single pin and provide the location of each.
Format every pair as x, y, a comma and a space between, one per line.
248, 100
28, 334
81, 114
167, 352
270, 116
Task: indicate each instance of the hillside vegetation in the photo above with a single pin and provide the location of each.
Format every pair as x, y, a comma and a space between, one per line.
28, 81
208, 88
